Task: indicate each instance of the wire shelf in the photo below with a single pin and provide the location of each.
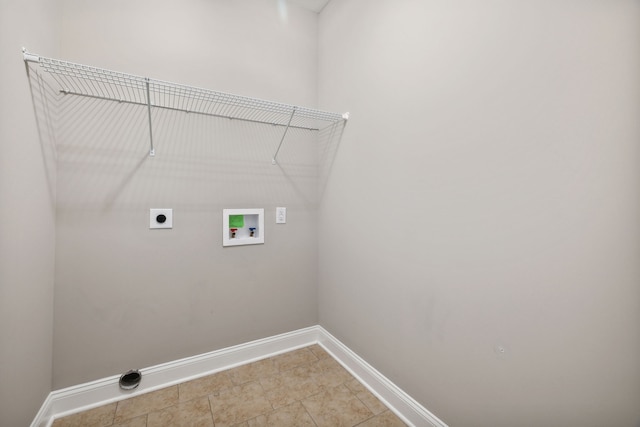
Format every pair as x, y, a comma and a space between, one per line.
84, 80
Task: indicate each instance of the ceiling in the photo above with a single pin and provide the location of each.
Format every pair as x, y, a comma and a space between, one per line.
313, 5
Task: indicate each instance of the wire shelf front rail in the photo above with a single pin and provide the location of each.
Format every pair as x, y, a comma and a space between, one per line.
84, 80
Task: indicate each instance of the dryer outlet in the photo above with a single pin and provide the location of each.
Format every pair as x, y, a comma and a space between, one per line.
161, 218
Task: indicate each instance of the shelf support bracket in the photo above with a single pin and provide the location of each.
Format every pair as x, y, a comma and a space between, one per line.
275, 156
152, 151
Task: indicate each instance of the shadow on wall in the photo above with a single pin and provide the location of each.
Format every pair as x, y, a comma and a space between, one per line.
102, 151
328, 141
165, 295
45, 100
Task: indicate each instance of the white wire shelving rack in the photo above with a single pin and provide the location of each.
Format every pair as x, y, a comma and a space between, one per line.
88, 81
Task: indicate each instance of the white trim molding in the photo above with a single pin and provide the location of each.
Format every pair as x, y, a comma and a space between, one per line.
403, 405
86, 396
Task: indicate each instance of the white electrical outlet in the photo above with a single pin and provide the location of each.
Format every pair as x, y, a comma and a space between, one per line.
281, 215
161, 218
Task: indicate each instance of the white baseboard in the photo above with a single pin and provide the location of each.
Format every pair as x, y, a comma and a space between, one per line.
403, 405
86, 396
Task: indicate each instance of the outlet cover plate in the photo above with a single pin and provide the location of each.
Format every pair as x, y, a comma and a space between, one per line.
160, 218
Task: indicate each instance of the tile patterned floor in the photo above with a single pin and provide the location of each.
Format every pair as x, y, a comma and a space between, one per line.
305, 387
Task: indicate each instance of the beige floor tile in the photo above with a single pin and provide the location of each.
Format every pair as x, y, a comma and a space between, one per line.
299, 374
252, 371
385, 419
305, 387
293, 415
204, 386
193, 413
293, 359
318, 351
136, 422
336, 407
329, 373
101, 416
239, 404
290, 386
361, 392
145, 403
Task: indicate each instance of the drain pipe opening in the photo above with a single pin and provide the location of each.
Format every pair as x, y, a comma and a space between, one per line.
130, 379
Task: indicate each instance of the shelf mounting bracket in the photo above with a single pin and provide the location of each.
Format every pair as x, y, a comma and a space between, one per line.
275, 156
152, 151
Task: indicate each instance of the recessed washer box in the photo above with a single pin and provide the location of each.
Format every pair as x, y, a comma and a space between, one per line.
160, 218
242, 227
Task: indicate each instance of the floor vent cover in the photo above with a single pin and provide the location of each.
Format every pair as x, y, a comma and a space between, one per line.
130, 379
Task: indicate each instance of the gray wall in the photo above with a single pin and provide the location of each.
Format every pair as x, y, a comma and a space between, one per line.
127, 296
486, 194
27, 223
